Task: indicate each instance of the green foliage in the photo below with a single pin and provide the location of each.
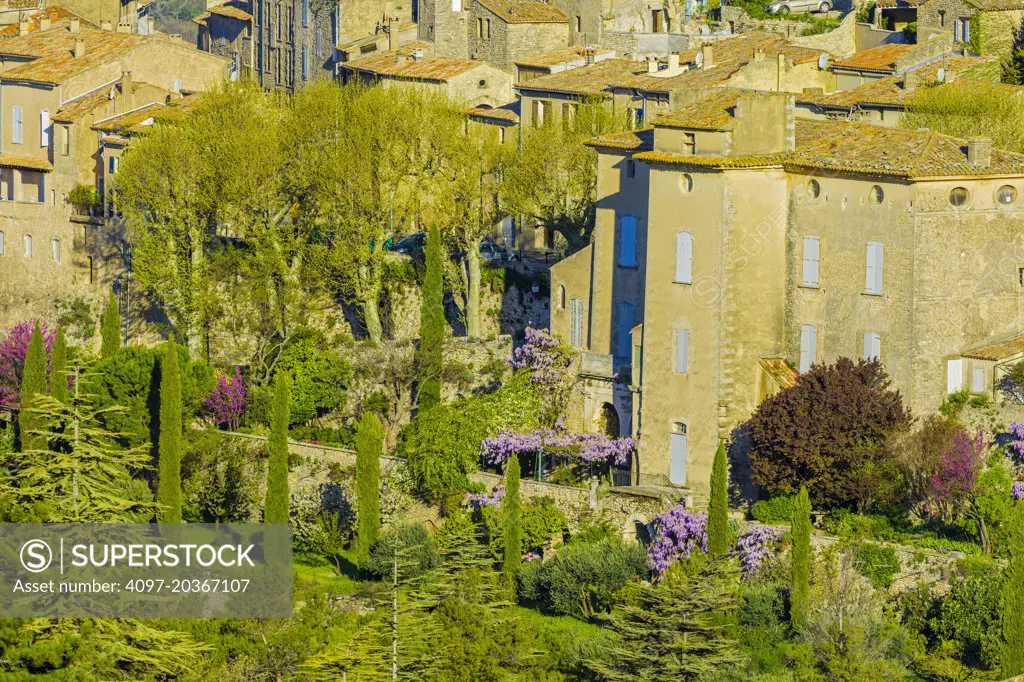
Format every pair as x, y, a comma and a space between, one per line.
800, 527
59, 367
1012, 599
763, 624
110, 329
910, 32
969, 619
776, 510
415, 550
85, 197
369, 448
276, 506
75, 316
443, 445
169, 440
583, 579
960, 110
512, 530
1013, 68
541, 525
319, 376
877, 563
718, 506
33, 384
432, 325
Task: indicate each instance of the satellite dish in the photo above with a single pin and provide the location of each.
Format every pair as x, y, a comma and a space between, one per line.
823, 61
699, 59
941, 76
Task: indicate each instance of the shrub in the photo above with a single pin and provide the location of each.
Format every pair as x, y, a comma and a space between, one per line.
1011, 384
877, 563
829, 432
226, 405
13, 347
763, 625
541, 521
319, 375
412, 545
844, 523
775, 511
918, 609
969, 619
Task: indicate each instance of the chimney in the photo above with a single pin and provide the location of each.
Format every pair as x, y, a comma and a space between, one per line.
79, 48
911, 79
126, 83
106, 25
417, 54
652, 65
979, 151
708, 53
44, 23
588, 56
673, 61
23, 27
392, 43
764, 124
75, 24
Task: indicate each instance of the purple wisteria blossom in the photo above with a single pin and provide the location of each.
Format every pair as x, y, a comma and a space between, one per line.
542, 354
531, 556
12, 356
1017, 490
226, 405
755, 545
586, 447
1017, 444
677, 533
484, 500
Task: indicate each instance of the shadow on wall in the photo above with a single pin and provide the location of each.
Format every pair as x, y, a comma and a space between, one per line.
742, 489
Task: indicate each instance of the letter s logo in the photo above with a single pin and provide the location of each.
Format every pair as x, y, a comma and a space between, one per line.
36, 556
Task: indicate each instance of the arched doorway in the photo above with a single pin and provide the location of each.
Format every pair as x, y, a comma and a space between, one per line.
610, 420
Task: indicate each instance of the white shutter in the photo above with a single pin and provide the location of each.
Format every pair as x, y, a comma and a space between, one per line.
872, 346
978, 380
44, 128
811, 252
627, 241
682, 351
684, 257
808, 346
16, 125
954, 375
873, 271
576, 323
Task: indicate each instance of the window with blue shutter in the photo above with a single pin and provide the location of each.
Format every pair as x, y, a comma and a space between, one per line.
627, 241
682, 351
684, 258
305, 63
873, 271
808, 346
811, 255
305, 12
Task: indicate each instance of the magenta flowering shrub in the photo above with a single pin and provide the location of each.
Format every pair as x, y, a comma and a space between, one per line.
487, 500
960, 468
591, 448
13, 347
226, 405
677, 533
531, 556
756, 545
1017, 490
543, 355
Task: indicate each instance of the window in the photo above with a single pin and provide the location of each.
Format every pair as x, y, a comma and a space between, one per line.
3, 243
55, 250
872, 346
630, 168
686, 182
576, 323
978, 380
876, 195
1007, 194
305, 12
16, 125
813, 189
808, 346
677, 466
480, 28
810, 271
579, 24
623, 340
487, 33
954, 375
44, 128
962, 30
538, 113
561, 297
689, 143
65, 140
682, 351
28, 246
305, 63
958, 196
873, 271
112, 164
456, 5
627, 241
568, 113
942, 18
684, 258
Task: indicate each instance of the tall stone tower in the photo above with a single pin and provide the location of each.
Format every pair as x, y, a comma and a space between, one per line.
446, 24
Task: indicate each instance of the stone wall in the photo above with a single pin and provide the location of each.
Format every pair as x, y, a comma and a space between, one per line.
633, 45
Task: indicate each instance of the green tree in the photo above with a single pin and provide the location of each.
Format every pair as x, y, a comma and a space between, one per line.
169, 440
276, 509
432, 325
965, 109
59, 367
33, 385
1012, 662
512, 510
800, 528
110, 329
718, 506
369, 447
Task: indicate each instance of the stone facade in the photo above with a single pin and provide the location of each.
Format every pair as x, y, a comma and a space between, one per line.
501, 44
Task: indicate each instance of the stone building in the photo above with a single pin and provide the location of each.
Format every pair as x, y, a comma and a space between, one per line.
767, 243
985, 27
226, 30
55, 83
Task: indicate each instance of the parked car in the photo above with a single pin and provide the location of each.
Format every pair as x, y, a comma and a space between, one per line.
409, 245
496, 253
787, 6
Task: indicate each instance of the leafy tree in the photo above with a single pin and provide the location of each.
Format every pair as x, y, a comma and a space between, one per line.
552, 181
13, 348
169, 440
969, 619
828, 432
319, 376
718, 506
110, 328
674, 631
963, 109
412, 543
800, 528
1012, 659
59, 367
432, 325
369, 448
512, 511
276, 509
33, 385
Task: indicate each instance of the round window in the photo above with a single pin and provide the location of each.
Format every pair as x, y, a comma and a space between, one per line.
686, 182
813, 188
876, 195
1007, 194
958, 196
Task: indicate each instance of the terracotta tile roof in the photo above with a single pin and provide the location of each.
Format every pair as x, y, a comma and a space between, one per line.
996, 5
232, 10
201, 19
999, 349
779, 371
671, 158
400, 64
55, 14
714, 112
879, 59
25, 162
525, 11
76, 109
631, 139
501, 114
52, 52
138, 121
887, 4
566, 57
586, 80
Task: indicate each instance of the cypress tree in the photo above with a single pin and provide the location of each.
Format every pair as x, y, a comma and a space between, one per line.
110, 329
1013, 598
276, 508
432, 323
169, 440
800, 528
33, 384
369, 447
718, 506
512, 533
59, 368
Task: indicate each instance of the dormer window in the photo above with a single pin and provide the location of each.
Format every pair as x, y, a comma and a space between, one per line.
689, 143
